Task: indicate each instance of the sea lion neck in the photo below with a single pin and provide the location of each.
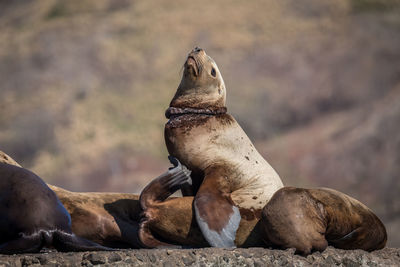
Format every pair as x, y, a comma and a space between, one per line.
201, 86
173, 112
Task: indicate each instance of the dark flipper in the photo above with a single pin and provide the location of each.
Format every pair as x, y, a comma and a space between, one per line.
23, 244
62, 241
216, 215
65, 242
367, 238
165, 185
157, 191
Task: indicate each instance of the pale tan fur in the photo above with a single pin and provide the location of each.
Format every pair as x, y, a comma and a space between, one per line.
220, 143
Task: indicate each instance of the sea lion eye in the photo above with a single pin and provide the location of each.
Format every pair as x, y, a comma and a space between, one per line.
213, 73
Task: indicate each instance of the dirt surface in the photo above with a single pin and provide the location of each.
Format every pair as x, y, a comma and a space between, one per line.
208, 257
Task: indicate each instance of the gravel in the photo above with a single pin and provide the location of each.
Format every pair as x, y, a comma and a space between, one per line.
207, 257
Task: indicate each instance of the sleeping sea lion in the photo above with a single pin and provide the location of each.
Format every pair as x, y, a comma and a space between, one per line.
311, 219
31, 215
230, 178
111, 219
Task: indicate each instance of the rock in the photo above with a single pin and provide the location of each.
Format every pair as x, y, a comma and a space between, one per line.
29, 261
207, 257
96, 258
114, 257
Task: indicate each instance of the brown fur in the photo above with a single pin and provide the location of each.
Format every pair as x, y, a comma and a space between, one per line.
168, 221
110, 219
172, 221
312, 219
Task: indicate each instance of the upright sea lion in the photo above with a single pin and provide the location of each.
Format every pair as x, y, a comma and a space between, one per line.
32, 216
230, 178
312, 219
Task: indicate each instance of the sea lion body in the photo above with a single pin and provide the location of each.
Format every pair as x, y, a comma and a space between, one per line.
32, 216
312, 219
109, 219
230, 178
204, 142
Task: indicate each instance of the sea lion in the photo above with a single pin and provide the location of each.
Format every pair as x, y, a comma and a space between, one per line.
230, 178
311, 219
33, 217
111, 219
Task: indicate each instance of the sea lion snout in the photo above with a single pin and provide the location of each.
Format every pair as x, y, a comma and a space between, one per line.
193, 62
197, 51
191, 66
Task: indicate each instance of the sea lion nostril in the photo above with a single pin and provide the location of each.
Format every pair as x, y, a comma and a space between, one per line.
197, 49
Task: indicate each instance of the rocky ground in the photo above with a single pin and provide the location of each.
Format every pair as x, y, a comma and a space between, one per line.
208, 257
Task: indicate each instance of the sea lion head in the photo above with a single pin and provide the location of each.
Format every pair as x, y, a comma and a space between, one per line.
202, 86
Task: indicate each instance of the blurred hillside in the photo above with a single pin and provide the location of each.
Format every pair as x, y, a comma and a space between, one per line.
316, 85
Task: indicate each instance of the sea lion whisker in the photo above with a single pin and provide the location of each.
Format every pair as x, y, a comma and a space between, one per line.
199, 63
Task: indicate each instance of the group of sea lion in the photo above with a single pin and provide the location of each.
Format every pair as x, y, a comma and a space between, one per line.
231, 196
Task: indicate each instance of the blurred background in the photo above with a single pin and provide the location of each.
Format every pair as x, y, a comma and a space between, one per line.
314, 83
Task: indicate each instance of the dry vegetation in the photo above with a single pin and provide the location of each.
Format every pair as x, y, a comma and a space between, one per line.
316, 84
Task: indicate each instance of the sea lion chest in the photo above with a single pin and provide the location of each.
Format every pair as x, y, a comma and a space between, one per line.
203, 142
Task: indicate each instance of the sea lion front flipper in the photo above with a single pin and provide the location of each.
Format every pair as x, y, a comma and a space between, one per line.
65, 242
166, 184
156, 192
216, 215
23, 244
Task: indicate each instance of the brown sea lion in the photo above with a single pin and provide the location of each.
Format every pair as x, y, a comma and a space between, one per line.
311, 219
230, 178
32, 217
111, 219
